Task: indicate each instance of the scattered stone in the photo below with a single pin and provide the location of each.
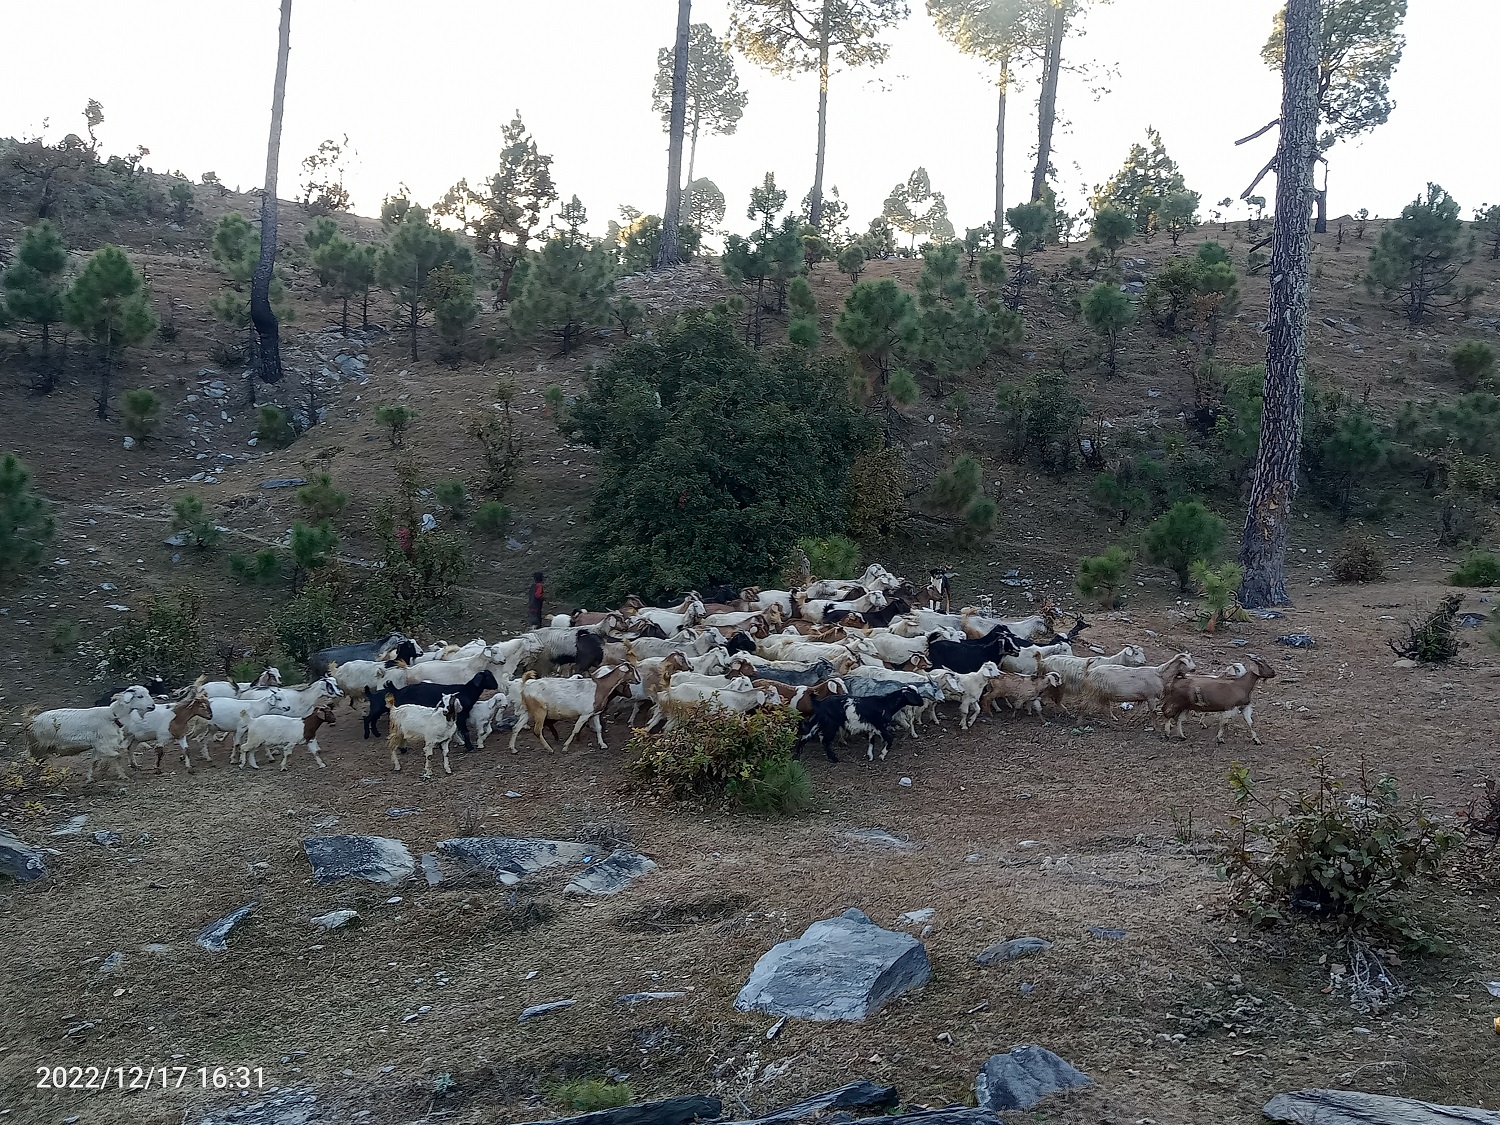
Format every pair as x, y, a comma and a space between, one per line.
377, 859
842, 968
129, 443
73, 826
1297, 640
337, 919
1107, 933
511, 858
212, 936
905, 783
180, 539
1471, 620
1013, 949
113, 962
1267, 614
1024, 1076
670, 1111
775, 1029
610, 875
1493, 988
1405, 662
106, 839
631, 999
1134, 288
283, 482
514, 544
880, 836
542, 1009
402, 812
918, 915
432, 870
1351, 1107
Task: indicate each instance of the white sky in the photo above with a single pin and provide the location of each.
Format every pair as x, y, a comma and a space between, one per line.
422, 90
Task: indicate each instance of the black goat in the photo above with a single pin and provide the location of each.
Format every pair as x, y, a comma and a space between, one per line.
741, 642
970, 656
868, 716
588, 654
430, 695
155, 685
317, 664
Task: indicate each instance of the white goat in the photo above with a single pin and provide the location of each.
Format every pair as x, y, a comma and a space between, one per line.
428, 727
285, 733
1024, 663
1108, 684
95, 733
580, 698
164, 724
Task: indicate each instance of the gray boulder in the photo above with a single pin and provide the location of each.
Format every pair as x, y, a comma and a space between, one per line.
842, 968
377, 859
296, 1106
20, 860
1013, 949
212, 936
510, 858
1350, 1107
1024, 1076
856, 1095
610, 875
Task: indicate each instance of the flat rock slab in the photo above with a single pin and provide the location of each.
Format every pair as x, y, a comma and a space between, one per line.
1024, 1076
856, 1095
337, 919
1013, 949
842, 968
283, 1107
19, 860
512, 858
631, 999
376, 859
1349, 1107
212, 936
542, 1009
610, 875
670, 1111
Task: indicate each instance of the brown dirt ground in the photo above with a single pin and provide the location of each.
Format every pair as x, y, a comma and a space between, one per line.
1105, 808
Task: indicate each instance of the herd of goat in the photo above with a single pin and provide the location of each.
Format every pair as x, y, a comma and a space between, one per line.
851, 657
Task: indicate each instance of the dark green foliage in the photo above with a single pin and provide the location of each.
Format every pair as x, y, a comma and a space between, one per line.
1479, 568
714, 754
260, 569
1354, 859
1418, 258
311, 547
274, 428
567, 288
235, 249
345, 268
877, 494
181, 195
1113, 226
500, 446
1187, 533
142, 413
1341, 448
1042, 417
492, 517
1030, 224
188, 515
640, 242
803, 328
878, 318
627, 314
165, 641
1120, 496
64, 639
1361, 560
1236, 433
703, 206
1473, 362
1179, 213
1218, 586
851, 261
714, 461
557, 405
1432, 640
1144, 181
450, 295
777, 788
31, 288
1108, 312
454, 497
26, 528
958, 492
396, 418
1101, 576
585, 1095
309, 622
833, 556
954, 329
323, 190
321, 500
413, 251
107, 303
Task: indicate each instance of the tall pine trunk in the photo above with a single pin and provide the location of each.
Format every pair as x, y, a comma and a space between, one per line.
671, 216
1047, 103
1268, 520
1320, 224
687, 188
815, 201
1000, 158
267, 331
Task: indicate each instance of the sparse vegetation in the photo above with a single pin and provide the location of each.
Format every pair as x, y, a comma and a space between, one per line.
192, 519
1479, 568
1359, 561
1432, 640
165, 640
274, 427
492, 517
716, 755
1187, 533
26, 525
142, 413
320, 499
1101, 576
585, 1095
396, 418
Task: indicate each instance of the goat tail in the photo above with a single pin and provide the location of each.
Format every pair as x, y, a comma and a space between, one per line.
30, 713
390, 699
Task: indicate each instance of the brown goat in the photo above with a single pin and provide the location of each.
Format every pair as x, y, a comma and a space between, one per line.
1226, 694
1022, 693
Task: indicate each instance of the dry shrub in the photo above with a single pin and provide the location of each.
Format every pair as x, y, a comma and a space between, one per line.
717, 755
1359, 561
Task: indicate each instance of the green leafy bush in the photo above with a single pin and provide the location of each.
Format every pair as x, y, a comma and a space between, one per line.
1359, 561
142, 413
1473, 362
588, 1094
321, 499
309, 622
1118, 494
1042, 417
1350, 857
1100, 576
454, 498
164, 641
1219, 586
834, 556
396, 418
779, 788
713, 754
189, 516
1479, 568
492, 517
1187, 533
557, 403
274, 427
311, 546
64, 637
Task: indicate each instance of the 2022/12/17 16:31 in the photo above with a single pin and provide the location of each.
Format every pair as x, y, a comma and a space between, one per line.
150, 1077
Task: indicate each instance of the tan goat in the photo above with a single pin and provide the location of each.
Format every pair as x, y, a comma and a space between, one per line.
1226, 695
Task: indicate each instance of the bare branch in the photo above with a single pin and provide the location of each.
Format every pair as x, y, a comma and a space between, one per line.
1259, 132
1262, 174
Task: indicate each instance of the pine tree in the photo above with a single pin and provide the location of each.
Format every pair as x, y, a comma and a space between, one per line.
323, 191
671, 215
704, 206
1005, 33
787, 37
262, 311
413, 251
1419, 256
450, 295
1487, 220
1108, 312
345, 268
1359, 46
878, 319
1112, 228
1179, 213
507, 213
715, 102
803, 328
33, 286
915, 209
107, 302
1146, 178
25, 525
235, 250
567, 287
1030, 222
955, 330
